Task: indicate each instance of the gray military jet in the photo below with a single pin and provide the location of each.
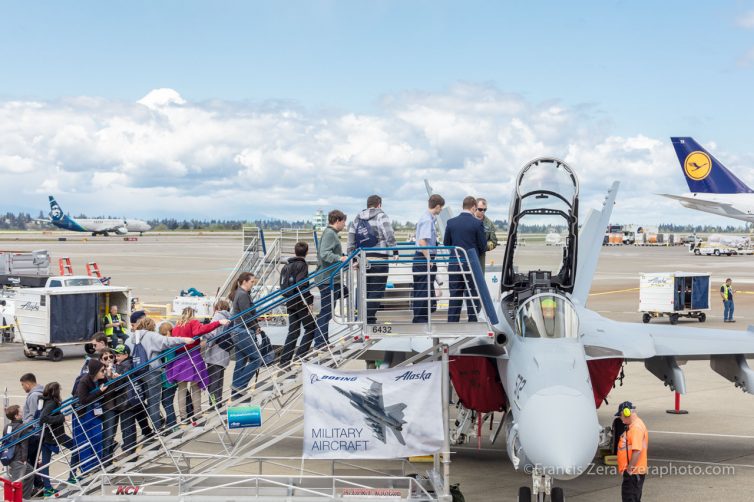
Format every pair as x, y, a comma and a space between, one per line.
552, 350
376, 415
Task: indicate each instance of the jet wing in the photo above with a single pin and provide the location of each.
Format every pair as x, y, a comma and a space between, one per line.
705, 205
604, 338
374, 395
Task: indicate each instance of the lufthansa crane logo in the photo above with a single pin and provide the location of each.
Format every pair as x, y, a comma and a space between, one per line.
697, 165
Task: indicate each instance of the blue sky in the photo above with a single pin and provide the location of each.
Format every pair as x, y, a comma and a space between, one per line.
627, 69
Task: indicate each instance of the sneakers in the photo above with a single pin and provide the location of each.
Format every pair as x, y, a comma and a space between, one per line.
49, 492
72, 480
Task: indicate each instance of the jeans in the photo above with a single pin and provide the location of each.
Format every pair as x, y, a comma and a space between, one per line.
728, 310
457, 283
109, 429
248, 359
376, 282
299, 315
152, 384
128, 428
87, 430
421, 304
327, 297
216, 381
168, 395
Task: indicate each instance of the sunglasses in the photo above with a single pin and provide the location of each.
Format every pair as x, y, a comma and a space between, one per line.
106, 358
481, 209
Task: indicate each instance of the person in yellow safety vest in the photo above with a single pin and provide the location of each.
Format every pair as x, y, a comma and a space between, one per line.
632, 452
115, 327
726, 293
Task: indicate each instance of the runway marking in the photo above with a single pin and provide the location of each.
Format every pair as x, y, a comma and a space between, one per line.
708, 434
612, 292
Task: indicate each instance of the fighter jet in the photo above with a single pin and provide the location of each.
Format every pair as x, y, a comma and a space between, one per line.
557, 360
375, 414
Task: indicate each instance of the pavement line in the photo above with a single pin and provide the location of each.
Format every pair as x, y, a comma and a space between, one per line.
616, 291
709, 434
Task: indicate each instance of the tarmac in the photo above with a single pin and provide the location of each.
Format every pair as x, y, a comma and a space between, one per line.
707, 454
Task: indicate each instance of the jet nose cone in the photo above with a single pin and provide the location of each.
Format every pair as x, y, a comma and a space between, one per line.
559, 431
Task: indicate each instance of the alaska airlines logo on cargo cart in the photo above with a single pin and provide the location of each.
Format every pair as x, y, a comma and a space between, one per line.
697, 165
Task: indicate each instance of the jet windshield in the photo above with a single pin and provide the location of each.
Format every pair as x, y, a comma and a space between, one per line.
547, 316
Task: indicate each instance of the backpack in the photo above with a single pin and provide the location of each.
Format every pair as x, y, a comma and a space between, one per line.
138, 357
365, 234
287, 279
265, 348
224, 339
292, 273
6, 456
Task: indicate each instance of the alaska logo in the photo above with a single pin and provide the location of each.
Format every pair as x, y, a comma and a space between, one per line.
697, 165
414, 375
55, 212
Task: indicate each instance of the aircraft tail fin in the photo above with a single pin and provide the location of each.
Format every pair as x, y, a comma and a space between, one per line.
56, 213
591, 236
703, 172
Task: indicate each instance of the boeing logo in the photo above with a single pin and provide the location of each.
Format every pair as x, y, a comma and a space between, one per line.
414, 375
317, 378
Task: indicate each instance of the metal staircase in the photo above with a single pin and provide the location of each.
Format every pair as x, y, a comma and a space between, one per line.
201, 458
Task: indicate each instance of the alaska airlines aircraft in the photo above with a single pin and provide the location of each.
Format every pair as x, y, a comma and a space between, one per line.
713, 188
95, 226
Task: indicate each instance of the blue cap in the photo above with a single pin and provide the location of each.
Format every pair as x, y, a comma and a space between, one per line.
622, 406
135, 316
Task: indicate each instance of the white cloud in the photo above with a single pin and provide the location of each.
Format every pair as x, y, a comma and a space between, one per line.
746, 20
164, 155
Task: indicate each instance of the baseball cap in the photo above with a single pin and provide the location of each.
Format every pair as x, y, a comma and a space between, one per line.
135, 316
121, 349
624, 405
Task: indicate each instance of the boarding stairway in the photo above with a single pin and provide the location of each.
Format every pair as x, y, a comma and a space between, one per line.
198, 453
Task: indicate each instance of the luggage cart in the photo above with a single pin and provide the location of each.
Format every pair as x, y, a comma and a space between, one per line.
675, 295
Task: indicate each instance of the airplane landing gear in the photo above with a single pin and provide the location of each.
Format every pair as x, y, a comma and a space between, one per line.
542, 489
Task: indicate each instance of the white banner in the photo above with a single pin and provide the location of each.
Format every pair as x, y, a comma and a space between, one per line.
372, 414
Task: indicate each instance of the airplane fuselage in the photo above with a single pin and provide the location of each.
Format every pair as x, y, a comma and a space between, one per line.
374, 412
553, 420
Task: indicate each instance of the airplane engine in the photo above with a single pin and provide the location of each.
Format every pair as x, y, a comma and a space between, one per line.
121, 230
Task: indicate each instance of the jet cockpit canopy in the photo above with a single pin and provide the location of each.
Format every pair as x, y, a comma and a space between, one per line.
545, 199
547, 316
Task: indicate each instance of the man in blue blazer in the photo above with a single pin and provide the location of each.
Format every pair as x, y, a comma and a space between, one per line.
467, 232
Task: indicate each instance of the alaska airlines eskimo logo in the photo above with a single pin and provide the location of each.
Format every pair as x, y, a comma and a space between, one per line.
55, 212
697, 165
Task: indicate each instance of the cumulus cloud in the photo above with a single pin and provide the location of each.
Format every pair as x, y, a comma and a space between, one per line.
165, 155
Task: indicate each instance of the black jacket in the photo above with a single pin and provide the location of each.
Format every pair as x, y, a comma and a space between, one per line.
86, 397
300, 270
54, 421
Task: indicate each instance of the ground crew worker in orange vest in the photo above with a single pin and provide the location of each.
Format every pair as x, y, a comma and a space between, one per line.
632, 452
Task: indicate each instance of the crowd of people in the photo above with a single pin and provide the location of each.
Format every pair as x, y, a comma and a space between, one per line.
133, 377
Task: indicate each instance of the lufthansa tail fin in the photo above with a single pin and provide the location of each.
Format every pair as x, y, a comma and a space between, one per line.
56, 213
703, 172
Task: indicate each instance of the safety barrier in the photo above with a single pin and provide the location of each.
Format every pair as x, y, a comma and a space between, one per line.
414, 290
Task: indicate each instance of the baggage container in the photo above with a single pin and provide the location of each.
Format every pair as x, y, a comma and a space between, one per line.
675, 295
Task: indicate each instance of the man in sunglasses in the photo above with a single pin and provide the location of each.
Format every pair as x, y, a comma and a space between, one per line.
489, 229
